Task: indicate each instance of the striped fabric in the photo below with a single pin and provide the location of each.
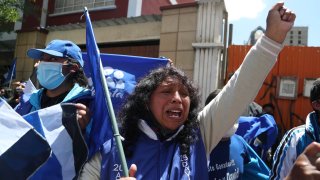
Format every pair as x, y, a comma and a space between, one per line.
22, 149
58, 124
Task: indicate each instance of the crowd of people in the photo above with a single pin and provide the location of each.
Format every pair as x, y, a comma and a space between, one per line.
166, 134
12, 93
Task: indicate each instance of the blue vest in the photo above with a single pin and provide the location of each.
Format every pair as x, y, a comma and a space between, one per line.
156, 160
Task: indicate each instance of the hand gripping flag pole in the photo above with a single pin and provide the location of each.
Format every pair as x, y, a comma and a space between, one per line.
96, 64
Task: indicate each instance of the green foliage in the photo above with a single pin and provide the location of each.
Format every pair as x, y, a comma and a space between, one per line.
9, 11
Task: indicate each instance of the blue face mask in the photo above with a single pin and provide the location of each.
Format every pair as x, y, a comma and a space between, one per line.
49, 74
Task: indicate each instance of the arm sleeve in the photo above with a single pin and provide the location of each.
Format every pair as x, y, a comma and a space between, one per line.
91, 169
222, 112
286, 153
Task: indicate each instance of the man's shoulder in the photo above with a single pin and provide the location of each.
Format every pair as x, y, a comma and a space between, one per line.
296, 131
296, 136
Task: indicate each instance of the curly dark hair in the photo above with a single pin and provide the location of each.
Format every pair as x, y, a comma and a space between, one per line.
136, 108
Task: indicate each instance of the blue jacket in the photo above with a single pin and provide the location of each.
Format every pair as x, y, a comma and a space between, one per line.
77, 94
235, 159
166, 162
293, 144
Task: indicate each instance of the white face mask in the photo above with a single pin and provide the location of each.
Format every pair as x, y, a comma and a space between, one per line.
50, 74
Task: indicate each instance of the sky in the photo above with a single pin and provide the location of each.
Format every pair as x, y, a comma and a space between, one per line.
246, 15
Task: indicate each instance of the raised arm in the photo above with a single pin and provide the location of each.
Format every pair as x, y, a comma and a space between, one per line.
221, 113
279, 21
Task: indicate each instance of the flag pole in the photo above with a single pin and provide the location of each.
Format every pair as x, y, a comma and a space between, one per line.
12, 71
115, 128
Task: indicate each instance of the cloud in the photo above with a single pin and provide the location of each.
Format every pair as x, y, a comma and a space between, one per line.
238, 9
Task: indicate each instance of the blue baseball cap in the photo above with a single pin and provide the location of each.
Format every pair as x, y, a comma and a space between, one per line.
58, 48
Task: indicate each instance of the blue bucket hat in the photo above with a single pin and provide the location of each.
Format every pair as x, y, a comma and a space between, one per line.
58, 48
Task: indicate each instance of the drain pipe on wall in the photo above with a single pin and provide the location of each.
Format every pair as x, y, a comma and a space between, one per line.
44, 13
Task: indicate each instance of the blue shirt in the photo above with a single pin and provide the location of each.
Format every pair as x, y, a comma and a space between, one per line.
234, 159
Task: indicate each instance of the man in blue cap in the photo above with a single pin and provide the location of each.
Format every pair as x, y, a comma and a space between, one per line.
60, 73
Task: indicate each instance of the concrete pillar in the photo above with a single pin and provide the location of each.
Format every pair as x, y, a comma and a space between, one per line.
25, 41
178, 32
209, 46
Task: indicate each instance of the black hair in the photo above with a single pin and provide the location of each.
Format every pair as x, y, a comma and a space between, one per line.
268, 105
136, 107
78, 76
315, 90
212, 95
266, 111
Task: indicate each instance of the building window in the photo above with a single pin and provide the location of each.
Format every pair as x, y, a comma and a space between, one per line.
299, 42
291, 41
299, 32
68, 6
291, 32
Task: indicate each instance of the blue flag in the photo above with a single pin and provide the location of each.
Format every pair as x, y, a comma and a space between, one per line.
11, 74
251, 127
121, 72
101, 127
264, 128
22, 149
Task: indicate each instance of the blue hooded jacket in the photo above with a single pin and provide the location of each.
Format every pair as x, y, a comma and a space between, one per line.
77, 94
166, 160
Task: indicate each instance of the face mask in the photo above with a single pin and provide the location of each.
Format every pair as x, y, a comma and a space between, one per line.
50, 74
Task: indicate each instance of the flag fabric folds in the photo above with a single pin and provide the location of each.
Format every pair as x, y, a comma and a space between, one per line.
11, 74
251, 127
45, 144
263, 128
28, 90
58, 124
22, 149
101, 127
123, 72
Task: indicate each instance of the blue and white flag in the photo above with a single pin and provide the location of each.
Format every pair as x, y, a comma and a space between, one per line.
59, 125
121, 74
11, 74
22, 149
29, 88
